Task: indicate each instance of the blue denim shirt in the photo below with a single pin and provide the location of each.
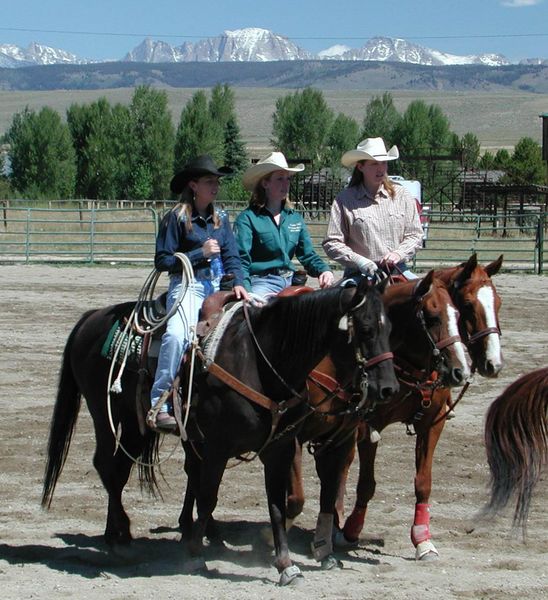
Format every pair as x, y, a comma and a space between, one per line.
173, 237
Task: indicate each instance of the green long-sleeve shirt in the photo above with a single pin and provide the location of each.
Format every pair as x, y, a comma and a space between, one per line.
264, 245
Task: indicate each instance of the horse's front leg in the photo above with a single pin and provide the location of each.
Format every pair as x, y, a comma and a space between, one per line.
427, 440
206, 494
277, 467
365, 489
330, 465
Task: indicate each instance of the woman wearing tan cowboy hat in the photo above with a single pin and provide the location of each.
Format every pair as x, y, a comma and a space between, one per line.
270, 232
374, 221
195, 228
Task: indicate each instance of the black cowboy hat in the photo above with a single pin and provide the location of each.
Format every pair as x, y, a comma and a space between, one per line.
198, 167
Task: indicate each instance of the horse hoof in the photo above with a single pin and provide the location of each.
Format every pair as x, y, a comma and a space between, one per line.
341, 543
426, 551
195, 565
291, 576
330, 562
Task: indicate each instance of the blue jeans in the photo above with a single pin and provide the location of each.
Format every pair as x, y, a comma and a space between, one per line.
177, 336
263, 286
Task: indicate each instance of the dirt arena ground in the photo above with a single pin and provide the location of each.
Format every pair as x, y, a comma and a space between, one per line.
60, 553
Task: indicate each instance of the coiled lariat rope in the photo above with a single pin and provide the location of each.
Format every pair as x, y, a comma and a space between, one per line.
142, 320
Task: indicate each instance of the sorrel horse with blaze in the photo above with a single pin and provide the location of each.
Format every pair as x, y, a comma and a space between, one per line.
269, 353
428, 403
516, 443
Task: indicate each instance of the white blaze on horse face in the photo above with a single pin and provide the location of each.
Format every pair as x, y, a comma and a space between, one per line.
493, 354
453, 329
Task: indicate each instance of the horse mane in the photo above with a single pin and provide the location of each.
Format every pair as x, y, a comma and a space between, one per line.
516, 442
313, 313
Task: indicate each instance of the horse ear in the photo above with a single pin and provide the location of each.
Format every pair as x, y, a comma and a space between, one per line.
424, 284
467, 270
494, 267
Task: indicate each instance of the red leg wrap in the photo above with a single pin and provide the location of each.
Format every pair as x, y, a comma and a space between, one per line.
354, 524
420, 532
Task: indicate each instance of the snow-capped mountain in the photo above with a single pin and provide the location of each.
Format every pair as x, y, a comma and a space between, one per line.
251, 44
334, 52
398, 50
255, 45
35, 54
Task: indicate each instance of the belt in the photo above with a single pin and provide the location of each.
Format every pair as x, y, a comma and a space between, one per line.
276, 271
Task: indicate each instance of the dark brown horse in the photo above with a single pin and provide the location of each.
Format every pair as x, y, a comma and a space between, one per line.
424, 333
270, 353
423, 401
516, 442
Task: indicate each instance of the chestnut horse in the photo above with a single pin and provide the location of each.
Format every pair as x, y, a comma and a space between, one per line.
268, 354
516, 442
422, 402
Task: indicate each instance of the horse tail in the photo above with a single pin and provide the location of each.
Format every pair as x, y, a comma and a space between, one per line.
516, 442
63, 421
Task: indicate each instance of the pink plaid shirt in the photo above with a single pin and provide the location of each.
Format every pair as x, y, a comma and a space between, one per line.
360, 225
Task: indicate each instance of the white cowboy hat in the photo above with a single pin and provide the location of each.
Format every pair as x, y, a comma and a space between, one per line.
275, 161
370, 149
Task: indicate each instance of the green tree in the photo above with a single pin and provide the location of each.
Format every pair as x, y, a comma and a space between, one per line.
42, 157
487, 161
343, 134
526, 166
101, 136
501, 159
470, 149
197, 132
222, 104
235, 155
301, 123
381, 119
152, 143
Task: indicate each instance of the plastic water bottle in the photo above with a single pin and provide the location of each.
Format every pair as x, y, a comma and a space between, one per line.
216, 267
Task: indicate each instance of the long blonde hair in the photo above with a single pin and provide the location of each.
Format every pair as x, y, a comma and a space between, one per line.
258, 195
185, 206
357, 178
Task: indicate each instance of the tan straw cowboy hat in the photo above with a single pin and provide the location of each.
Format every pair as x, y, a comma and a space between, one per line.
275, 161
370, 149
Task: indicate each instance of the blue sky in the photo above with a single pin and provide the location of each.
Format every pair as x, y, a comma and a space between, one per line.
107, 29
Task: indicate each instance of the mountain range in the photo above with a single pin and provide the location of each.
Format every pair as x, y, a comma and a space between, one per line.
255, 45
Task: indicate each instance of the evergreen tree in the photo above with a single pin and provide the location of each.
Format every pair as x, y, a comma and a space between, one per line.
235, 155
43, 161
470, 149
487, 161
501, 159
526, 166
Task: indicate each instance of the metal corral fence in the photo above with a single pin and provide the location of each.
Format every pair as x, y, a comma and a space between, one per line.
92, 233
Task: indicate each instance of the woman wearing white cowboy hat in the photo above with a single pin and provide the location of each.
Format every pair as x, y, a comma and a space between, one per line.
195, 228
374, 221
270, 233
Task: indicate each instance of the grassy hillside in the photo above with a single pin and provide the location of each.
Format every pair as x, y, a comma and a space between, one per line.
499, 119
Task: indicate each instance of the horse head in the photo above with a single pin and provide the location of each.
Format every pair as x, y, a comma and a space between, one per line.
425, 329
478, 303
367, 328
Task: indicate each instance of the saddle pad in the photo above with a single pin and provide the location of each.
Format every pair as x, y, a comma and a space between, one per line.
117, 338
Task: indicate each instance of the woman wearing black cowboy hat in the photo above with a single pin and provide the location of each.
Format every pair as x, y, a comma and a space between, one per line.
195, 228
